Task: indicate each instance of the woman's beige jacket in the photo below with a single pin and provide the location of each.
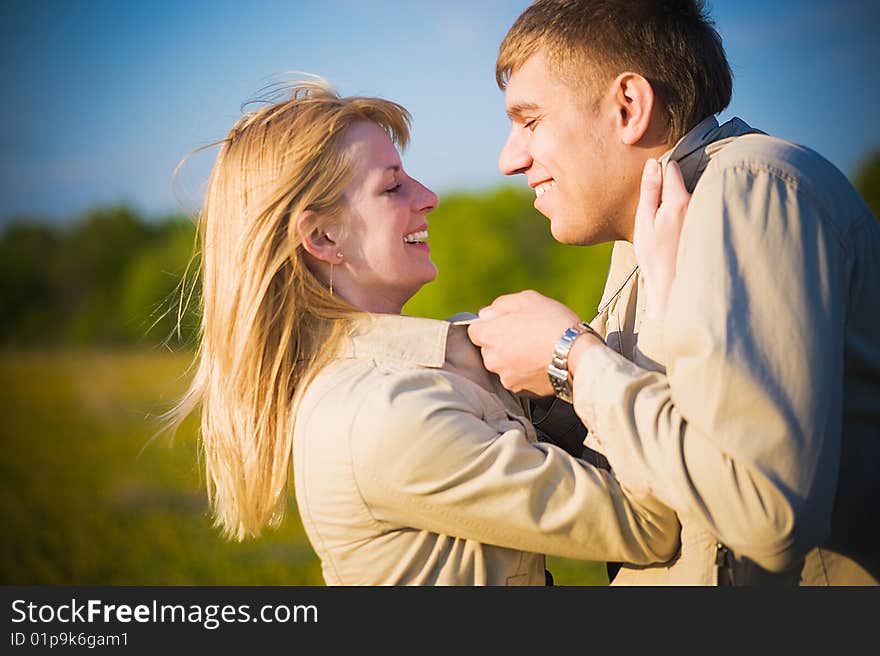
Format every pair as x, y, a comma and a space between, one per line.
413, 466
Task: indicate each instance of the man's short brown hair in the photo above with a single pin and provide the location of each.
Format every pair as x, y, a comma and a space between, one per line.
672, 43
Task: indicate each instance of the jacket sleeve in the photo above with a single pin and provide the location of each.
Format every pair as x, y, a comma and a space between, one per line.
428, 456
742, 431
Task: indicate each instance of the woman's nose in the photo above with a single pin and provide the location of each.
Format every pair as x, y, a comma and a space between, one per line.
426, 200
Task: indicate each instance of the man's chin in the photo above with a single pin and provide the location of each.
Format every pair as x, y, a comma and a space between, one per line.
564, 234
578, 233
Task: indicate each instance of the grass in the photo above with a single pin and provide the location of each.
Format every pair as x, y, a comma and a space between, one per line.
86, 498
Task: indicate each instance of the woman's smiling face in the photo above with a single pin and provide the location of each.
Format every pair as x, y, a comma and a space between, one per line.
386, 258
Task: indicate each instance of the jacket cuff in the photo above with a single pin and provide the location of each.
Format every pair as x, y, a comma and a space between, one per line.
601, 372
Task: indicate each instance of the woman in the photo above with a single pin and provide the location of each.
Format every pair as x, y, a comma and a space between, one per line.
412, 464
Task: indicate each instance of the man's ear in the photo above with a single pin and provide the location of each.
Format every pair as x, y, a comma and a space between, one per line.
317, 241
634, 100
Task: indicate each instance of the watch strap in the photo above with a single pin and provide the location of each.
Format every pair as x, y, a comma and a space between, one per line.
557, 370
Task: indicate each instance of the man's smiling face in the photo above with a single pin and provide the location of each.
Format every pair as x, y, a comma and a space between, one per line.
563, 142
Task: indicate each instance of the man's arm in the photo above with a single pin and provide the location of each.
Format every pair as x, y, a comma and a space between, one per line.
743, 433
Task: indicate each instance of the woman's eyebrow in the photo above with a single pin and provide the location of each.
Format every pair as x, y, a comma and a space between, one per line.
380, 175
394, 168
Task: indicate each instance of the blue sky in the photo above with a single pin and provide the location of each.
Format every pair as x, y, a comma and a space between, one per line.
103, 98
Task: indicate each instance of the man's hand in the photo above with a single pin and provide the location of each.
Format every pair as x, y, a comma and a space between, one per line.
517, 335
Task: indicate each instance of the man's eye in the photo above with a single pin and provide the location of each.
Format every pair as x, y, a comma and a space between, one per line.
530, 124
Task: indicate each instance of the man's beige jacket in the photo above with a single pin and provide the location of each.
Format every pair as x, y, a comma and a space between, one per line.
754, 409
412, 465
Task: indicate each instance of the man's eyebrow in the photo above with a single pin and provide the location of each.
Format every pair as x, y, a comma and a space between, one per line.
517, 110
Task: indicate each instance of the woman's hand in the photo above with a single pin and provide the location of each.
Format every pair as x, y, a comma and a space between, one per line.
663, 203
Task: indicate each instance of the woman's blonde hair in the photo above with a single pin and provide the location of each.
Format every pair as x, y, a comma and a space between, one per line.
268, 323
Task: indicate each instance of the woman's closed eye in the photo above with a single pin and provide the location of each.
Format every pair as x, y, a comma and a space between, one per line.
394, 189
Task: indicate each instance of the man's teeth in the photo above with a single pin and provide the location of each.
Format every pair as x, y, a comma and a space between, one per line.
416, 237
542, 188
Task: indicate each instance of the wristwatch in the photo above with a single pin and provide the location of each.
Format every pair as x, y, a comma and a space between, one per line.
558, 368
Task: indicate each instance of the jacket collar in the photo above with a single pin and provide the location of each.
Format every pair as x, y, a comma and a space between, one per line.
692, 152
411, 340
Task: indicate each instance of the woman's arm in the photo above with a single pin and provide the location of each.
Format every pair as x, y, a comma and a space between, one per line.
428, 454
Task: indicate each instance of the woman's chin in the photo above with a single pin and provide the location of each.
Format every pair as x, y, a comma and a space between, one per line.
429, 274
428, 277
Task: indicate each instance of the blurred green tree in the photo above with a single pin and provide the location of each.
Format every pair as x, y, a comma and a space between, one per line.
113, 278
867, 181
157, 288
97, 251
108, 278
29, 303
495, 242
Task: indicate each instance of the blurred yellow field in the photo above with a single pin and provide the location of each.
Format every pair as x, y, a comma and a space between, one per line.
87, 497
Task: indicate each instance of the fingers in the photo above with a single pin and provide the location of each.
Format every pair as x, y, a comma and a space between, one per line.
486, 313
475, 334
649, 198
508, 303
650, 191
483, 330
674, 190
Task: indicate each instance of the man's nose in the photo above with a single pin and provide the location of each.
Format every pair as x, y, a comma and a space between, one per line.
515, 157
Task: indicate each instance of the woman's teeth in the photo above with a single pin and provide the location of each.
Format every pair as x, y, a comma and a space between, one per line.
542, 188
416, 237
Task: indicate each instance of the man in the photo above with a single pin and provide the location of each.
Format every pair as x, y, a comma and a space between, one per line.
751, 403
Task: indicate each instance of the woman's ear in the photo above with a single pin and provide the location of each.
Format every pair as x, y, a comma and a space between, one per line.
317, 242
